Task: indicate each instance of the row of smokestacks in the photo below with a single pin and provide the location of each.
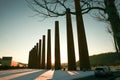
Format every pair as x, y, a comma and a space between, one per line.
37, 54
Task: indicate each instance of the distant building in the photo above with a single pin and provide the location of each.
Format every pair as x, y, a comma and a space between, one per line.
6, 61
13, 63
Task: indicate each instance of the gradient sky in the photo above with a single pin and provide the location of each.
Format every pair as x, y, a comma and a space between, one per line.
20, 30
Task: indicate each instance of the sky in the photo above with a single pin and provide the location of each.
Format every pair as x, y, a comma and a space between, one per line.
20, 30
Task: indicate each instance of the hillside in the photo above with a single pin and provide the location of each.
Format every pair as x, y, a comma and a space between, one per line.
105, 59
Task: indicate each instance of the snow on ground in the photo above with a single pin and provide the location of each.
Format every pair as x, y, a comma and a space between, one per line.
36, 74
69, 75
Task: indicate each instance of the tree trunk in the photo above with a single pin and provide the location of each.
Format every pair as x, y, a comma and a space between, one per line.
115, 44
114, 20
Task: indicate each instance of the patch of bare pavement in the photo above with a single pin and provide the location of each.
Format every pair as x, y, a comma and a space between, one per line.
39, 74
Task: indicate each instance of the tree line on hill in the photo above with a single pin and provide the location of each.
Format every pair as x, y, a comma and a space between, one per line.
108, 59
105, 59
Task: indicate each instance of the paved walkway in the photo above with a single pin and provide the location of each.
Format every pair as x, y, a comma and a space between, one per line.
35, 74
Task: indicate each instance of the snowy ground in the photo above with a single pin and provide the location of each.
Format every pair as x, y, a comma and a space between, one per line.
36, 74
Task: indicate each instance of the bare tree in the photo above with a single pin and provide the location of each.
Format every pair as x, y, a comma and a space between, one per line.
102, 10
109, 14
55, 8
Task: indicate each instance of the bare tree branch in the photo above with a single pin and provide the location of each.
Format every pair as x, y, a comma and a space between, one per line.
99, 9
45, 6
